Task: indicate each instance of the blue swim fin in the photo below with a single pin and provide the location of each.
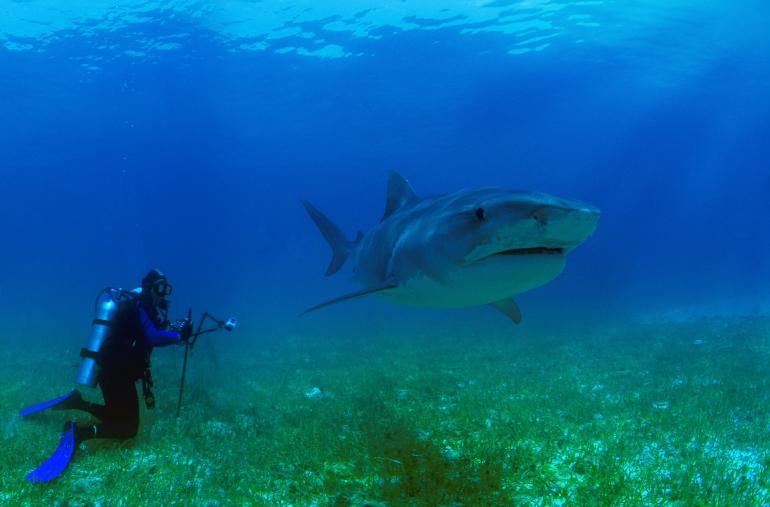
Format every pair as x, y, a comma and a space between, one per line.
34, 409
59, 460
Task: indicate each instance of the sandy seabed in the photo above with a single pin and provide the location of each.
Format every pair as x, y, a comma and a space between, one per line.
666, 413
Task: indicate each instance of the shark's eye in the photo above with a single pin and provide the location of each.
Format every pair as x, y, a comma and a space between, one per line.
481, 214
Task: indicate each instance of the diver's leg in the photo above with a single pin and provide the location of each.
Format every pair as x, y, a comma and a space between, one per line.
96, 410
76, 402
73, 400
120, 419
120, 413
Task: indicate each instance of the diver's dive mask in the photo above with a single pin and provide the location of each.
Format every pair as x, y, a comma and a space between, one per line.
161, 288
156, 287
156, 284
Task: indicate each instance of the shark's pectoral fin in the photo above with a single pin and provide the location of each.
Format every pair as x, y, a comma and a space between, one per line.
509, 308
348, 297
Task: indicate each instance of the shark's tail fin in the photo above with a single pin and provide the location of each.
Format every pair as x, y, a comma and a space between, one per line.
341, 247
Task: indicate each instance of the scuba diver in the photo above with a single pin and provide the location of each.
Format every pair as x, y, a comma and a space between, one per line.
128, 325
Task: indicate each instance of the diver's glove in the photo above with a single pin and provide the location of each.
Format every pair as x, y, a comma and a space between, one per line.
184, 327
187, 330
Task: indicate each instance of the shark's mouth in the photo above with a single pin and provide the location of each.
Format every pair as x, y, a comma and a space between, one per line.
538, 250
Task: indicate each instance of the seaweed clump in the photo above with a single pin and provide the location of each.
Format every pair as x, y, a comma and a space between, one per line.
413, 470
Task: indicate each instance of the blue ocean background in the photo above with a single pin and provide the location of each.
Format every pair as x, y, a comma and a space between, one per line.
144, 137
183, 134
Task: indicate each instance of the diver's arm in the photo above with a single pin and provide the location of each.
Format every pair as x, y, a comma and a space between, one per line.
156, 337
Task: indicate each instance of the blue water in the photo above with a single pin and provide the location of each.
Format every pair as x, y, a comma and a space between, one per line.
183, 134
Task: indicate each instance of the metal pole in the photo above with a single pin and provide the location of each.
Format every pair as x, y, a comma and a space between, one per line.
189, 344
181, 385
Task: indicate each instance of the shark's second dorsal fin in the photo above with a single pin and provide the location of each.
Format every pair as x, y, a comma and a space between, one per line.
400, 193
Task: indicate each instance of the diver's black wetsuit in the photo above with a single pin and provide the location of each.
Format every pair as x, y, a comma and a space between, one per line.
124, 359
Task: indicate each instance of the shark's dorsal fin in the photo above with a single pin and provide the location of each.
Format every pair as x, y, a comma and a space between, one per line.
352, 295
400, 193
509, 308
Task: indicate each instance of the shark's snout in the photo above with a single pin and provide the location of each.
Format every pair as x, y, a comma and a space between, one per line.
590, 214
587, 215
582, 208
592, 211
571, 226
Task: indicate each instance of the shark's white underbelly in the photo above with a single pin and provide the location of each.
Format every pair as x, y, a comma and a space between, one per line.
480, 283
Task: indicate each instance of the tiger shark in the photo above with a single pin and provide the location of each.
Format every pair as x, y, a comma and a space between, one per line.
468, 248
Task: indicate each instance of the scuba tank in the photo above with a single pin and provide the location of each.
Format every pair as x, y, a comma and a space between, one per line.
106, 306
